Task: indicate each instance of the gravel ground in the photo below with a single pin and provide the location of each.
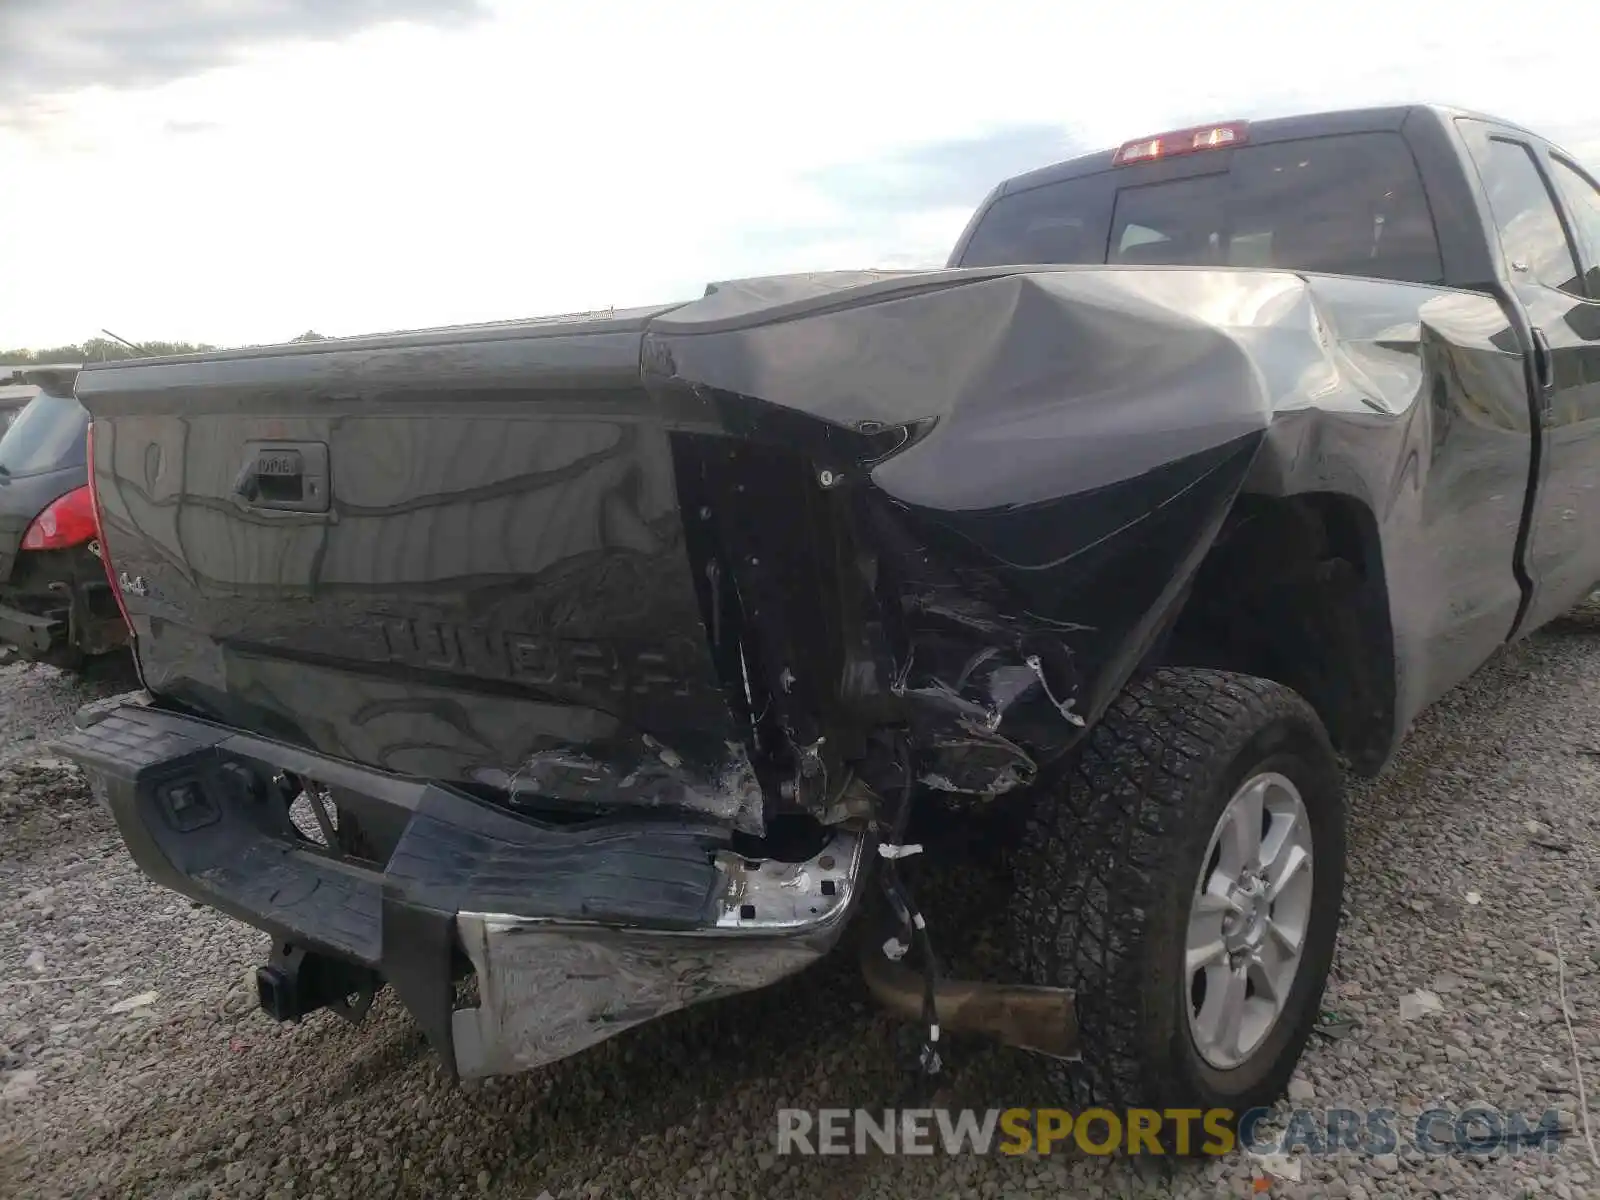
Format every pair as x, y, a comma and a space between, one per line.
133, 1061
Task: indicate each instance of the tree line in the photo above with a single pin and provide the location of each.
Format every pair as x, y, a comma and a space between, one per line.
105, 349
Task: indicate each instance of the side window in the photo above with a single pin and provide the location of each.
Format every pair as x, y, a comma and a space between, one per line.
1530, 230
1582, 199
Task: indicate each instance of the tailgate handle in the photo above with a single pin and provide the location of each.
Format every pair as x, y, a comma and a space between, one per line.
284, 476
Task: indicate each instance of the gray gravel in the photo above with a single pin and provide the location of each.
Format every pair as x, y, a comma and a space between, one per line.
133, 1062
36, 703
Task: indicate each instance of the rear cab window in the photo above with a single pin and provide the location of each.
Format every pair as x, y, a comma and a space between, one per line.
1346, 203
47, 435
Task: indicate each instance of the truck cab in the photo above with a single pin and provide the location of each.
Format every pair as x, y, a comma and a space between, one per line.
1437, 197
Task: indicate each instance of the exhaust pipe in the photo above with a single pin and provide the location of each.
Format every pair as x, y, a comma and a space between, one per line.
1042, 1019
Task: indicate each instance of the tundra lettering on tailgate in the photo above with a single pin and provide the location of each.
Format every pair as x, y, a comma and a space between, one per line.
579, 665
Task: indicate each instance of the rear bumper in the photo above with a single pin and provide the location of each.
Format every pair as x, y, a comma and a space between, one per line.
575, 932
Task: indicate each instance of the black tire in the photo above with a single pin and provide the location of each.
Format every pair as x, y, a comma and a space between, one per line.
1107, 870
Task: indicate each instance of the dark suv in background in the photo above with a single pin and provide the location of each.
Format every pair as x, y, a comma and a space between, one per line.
13, 397
56, 602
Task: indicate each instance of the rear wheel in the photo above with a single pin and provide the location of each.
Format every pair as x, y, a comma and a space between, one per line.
1185, 883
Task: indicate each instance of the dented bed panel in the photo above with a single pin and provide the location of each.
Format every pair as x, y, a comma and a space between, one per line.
1078, 434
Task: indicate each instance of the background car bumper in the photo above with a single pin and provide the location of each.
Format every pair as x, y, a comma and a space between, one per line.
29, 632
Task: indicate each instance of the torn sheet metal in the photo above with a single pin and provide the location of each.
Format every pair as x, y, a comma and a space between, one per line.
643, 773
971, 673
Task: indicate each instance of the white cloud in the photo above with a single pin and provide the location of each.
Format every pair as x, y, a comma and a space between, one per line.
566, 157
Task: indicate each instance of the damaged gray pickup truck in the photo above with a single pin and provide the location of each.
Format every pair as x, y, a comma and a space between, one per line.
611, 660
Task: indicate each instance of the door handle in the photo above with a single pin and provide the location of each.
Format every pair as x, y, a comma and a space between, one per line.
1544, 367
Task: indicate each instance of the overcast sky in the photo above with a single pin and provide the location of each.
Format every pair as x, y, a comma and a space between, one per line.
240, 172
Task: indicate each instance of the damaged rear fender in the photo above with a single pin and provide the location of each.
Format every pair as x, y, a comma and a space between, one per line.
1013, 478
1039, 461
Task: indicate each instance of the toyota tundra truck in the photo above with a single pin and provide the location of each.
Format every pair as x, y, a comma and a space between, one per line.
557, 674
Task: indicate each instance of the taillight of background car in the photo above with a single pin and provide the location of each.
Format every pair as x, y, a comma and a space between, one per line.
69, 521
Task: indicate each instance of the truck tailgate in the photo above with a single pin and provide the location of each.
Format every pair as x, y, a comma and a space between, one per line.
461, 560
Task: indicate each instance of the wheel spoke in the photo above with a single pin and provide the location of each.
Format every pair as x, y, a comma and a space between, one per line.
1241, 840
1206, 945
1288, 941
1223, 1014
1282, 830
1275, 968
1283, 868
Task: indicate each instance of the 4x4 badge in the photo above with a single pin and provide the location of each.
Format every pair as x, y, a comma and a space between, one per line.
134, 586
